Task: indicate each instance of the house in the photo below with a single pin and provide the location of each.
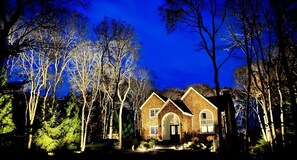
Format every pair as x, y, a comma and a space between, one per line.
192, 115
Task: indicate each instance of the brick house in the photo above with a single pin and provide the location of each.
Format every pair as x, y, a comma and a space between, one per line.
172, 120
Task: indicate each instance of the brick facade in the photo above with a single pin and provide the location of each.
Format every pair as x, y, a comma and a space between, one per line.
152, 102
196, 103
188, 122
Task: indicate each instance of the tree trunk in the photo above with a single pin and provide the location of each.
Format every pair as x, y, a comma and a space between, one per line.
122, 100
82, 146
271, 120
260, 121
111, 123
120, 124
280, 107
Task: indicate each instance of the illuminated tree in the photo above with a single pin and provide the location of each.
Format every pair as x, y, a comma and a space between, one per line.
119, 46
63, 128
85, 78
262, 31
6, 122
19, 18
141, 86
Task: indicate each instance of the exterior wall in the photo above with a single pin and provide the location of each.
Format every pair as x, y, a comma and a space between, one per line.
146, 121
186, 125
196, 104
185, 121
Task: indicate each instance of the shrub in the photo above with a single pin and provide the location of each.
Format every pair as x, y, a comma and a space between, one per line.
260, 149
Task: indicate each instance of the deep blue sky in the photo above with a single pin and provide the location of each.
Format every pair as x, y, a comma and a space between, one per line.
172, 57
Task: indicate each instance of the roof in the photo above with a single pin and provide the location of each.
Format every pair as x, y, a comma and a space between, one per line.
222, 102
182, 106
184, 109
163, 97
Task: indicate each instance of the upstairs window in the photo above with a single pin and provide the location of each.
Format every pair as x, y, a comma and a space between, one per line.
206, 122
153, 112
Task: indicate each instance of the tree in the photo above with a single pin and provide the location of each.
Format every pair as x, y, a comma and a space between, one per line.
121, 48
84, 71
7, 125
6, 122
43, 66
141, 86
261, 36
204, 89
63, 128
19, 18
103, 42
284, 27
124, 89
193, 14
33, 66
243, 34
173, 93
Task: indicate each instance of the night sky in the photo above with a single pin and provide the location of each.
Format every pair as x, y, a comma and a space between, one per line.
173, 57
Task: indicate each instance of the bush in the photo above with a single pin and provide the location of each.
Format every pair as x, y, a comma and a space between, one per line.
144, 145
260, 149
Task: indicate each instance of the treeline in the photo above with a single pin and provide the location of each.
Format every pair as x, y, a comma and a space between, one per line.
67, 86
263, 35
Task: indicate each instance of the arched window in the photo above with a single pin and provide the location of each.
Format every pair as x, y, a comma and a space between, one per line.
206, 121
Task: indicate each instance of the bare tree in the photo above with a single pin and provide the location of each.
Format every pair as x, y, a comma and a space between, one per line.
128, 64
43, 66
19, 18
129, 54
259, 32
141, 87
62, 41
119, 46
242, 32
193, 13
33, 65
284, 27
103, 42
85, 76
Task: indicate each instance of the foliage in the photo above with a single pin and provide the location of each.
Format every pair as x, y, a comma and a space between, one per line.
196, 141
60, 131
6, 122
196, 144
146, 144
7, 125
260, 149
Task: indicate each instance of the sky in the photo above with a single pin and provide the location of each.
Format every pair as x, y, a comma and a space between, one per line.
172, 57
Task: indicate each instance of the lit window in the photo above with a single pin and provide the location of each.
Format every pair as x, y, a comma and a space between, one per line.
153, 130
153, 112
207, 122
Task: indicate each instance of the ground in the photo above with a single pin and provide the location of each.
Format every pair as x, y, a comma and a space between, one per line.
122, 155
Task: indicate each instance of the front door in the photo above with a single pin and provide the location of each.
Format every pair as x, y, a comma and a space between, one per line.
174, 133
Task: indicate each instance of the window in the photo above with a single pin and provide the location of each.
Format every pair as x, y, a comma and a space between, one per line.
153, 130
206, 121
153, 112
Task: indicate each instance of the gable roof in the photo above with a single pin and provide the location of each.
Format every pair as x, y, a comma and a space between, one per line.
162, 98
182, 107
192, 89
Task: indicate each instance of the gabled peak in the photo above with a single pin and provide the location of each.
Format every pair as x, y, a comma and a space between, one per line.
162, 98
